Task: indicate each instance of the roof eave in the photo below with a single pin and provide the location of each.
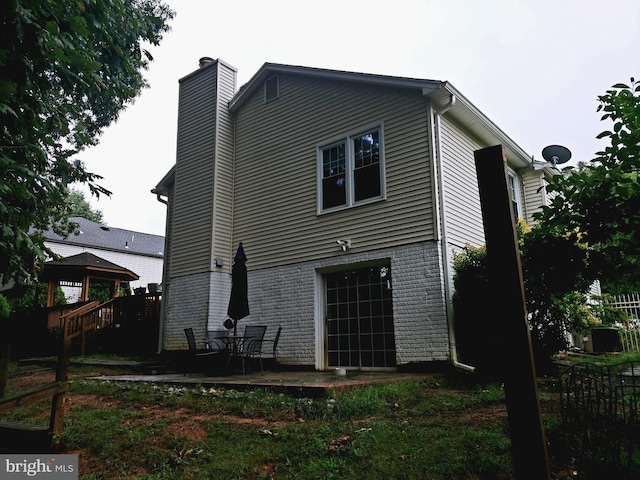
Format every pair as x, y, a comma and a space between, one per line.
164, 186
481, 125
367, 78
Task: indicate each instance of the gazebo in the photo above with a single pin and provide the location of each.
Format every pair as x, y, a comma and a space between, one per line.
80, 271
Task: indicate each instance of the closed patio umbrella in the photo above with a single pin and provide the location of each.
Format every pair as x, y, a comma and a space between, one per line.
239, 300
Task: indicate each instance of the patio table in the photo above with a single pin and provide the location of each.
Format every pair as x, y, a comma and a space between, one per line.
234, 343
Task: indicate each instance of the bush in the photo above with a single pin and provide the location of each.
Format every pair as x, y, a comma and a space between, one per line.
555, 290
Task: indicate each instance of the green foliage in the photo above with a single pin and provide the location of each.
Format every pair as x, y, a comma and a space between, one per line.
100, 292
80, 207
5, 309
35, 296
556, 291
597, 204
67, 69
588, 232
606, 314
472, 302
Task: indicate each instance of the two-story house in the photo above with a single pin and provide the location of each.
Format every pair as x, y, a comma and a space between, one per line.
349, 192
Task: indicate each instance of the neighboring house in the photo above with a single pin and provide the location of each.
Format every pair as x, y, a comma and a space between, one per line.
350, 193
142, 253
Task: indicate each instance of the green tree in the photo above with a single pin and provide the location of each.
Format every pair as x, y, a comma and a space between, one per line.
555, 290
587, 233
67, 70
80, 207
597, 204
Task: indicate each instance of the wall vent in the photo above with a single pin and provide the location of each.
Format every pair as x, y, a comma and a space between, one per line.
271, 88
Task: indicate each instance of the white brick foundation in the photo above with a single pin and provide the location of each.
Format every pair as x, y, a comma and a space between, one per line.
292, 297
198, 301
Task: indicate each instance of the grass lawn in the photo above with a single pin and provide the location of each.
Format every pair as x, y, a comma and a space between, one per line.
446, 427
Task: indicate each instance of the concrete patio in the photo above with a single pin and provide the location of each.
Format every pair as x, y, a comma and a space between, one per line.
300, 383
295, 383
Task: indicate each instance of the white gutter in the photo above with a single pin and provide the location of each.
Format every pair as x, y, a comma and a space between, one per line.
164, 282
444, 237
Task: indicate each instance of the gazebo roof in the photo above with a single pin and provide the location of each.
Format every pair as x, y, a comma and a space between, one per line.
76, 267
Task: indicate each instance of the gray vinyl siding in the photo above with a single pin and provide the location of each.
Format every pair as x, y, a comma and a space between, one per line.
194, 179
533, 196
223, 192
275, 212
464, 216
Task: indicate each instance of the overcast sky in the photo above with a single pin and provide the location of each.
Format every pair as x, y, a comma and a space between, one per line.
534, 67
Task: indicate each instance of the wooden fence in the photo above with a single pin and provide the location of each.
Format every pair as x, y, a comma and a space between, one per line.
28, 438
137, 317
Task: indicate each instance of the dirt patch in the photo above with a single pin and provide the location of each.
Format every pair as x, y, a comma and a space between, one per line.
28, 380
268, 470
87, 462
479, 414
188, 428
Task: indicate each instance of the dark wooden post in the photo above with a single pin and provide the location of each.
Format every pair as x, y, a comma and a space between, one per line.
509, 324
5, 356
62, 375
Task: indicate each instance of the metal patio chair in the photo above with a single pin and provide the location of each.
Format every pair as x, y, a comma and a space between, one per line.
251, 346
200, 357
273, 353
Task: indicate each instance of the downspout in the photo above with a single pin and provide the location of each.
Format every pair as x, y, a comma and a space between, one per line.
164, 284
444, 237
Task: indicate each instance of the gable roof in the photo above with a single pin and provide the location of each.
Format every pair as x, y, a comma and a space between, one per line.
77, 266
269, 69
165, 184
440, 92
95, 235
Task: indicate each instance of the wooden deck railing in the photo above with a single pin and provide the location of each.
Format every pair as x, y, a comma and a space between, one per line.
87, 320
122, 312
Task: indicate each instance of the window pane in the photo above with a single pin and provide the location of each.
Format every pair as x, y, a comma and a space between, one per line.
334, 192
333, 161
333, 176
513, 187
367, 182
366, 157
366, 149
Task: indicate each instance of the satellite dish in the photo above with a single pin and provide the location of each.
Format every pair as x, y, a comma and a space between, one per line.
556, 154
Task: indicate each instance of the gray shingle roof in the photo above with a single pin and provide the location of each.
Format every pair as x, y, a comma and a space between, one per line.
92, 234
82, 264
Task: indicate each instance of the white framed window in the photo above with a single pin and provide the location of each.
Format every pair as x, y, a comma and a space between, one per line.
351, 170
516, 201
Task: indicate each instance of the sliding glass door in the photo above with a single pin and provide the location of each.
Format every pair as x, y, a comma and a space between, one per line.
359, 316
